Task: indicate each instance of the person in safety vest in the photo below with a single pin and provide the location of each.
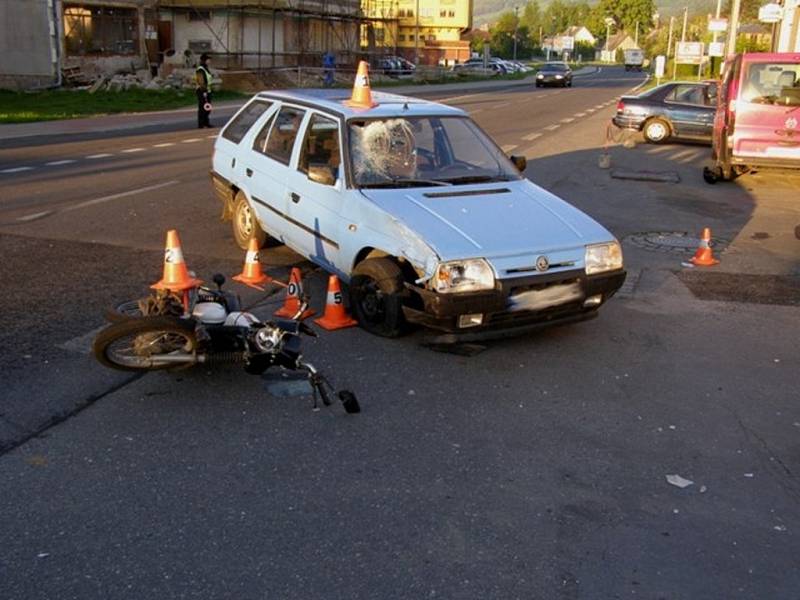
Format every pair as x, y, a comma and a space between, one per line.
202, 79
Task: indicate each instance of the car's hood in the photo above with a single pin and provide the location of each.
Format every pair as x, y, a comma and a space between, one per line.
490, 220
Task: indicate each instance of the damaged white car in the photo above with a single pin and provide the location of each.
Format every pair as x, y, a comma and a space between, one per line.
417, 209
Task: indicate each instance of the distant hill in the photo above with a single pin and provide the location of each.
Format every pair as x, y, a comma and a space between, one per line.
486, 11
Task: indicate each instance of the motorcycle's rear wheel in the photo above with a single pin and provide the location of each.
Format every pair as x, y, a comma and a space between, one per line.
147, 344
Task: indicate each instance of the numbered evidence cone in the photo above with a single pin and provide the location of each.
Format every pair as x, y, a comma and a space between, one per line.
294, 292
335, 316
251, 273
704, 257
176, 276
362, 95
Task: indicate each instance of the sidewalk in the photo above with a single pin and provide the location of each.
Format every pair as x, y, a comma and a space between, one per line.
186, 117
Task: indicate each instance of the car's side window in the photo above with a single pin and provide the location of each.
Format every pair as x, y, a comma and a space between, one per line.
688, 94
240, 125
260, 143
321, 145
283, 133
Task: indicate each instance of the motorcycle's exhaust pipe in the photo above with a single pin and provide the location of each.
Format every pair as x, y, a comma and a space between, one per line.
177, 359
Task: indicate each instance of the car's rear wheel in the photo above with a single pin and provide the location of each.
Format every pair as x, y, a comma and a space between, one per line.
656, 131
376, 289
245, 224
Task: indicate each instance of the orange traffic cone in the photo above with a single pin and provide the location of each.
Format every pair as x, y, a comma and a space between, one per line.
335, 316
176, 276
294, 293
362, 95
704, 257
252, 274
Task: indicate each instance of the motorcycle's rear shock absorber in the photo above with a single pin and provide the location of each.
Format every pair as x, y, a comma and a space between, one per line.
225, 358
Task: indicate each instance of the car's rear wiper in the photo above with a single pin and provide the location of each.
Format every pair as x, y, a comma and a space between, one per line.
390, 183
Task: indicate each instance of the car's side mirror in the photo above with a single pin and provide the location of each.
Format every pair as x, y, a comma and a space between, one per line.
323, 174
520, 162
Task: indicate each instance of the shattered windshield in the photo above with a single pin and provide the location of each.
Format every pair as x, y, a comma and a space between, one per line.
424, 151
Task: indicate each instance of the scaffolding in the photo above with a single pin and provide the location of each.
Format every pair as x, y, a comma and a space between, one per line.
259, 35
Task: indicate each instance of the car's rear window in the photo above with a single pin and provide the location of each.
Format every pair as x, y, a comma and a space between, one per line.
772, 83
242, 123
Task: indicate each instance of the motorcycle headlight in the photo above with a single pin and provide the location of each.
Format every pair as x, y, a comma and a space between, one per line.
464, 276
603, 257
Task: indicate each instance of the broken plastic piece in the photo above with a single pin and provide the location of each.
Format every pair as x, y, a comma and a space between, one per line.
679, 481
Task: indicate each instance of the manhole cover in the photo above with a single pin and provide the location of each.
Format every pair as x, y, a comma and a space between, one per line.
674, 242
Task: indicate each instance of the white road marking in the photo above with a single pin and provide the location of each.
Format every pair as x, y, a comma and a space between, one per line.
102, 199
552, 127
583, 114
101, 155
35, 216
568, 120
590, 110
190, 141
502, 105
130, 150
508, 147
83, 343
55, 163
531, 136
598, 106
476, 111
17, 170
164, 145
211, 137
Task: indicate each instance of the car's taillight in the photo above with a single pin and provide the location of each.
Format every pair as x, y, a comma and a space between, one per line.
620, 106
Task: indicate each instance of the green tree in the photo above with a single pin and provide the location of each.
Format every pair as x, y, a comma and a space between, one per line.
626, 14
502, 37
748, 11
532, 19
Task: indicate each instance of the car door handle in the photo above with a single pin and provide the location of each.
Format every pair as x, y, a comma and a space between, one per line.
295, 197
249, 172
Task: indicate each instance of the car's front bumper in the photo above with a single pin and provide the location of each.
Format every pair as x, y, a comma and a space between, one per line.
552, 80
501, 318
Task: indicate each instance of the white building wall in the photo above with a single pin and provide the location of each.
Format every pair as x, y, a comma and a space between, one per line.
789, 28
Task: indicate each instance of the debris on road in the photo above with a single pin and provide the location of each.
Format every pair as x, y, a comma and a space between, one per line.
679, 481
749, 475
780, 528
658, 176
703, 489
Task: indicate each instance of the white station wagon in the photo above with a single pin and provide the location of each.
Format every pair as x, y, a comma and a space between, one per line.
417, 209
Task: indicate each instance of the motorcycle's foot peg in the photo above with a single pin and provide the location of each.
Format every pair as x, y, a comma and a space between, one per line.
349, 402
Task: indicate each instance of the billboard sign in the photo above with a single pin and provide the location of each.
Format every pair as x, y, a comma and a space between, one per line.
689, 53
567, 42
661, 62
717, 25
716, 49
770, 13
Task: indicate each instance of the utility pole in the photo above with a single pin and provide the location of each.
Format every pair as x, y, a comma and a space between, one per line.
685, 17
714, 36
732, 27
636, 39
516, 25
416, 35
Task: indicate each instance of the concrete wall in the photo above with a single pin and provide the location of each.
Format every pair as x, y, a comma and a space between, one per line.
28, 53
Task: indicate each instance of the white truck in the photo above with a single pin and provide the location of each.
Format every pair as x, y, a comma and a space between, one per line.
634, 59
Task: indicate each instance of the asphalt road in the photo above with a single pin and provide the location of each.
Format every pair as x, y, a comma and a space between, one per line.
535, 469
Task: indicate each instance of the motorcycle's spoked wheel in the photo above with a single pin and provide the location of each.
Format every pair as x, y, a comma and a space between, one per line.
146, 344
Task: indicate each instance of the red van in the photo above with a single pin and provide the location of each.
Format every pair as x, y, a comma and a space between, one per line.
757, 123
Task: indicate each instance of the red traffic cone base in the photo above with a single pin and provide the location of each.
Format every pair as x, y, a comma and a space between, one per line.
704, 257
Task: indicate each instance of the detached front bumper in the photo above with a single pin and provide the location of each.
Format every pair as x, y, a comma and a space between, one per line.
503, 316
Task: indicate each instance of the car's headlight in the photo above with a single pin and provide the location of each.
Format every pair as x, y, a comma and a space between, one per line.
559, 77
603, 257
540, 76
464, 276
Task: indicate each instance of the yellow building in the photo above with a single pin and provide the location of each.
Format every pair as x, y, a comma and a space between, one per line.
424, 31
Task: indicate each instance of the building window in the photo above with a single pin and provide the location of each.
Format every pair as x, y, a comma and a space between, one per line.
380, 35
401, 12
410, 12
451, 13
100, 30
431, 38
401, 37
442, 13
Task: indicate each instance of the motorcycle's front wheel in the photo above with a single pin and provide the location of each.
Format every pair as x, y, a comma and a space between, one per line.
147, 344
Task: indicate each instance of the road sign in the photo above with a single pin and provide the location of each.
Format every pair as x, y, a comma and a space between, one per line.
716, 49
689, 53
717, 25
770, 13
661, 62
567, 42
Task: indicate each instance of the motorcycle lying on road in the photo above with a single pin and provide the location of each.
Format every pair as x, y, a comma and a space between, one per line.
208, 326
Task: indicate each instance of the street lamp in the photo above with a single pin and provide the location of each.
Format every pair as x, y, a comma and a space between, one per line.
516, 25
609, 21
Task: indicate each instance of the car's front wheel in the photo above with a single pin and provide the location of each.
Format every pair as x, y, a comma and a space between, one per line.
656, 131
376, 289
245, 224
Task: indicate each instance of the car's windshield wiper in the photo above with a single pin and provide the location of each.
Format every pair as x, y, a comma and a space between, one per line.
391, 183
476, 179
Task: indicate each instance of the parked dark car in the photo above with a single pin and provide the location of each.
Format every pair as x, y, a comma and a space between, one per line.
554, 73
679, 109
